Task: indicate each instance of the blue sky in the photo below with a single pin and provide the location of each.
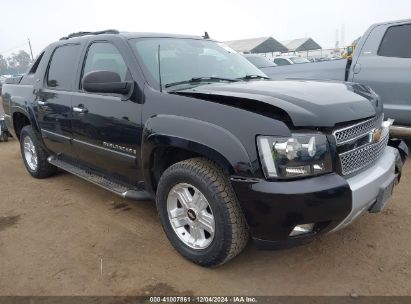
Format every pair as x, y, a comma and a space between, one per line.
45, 21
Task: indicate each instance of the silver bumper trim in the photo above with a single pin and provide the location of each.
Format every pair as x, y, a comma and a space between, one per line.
365, 186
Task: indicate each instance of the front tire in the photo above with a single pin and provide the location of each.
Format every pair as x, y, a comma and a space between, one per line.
200, 213
34, 156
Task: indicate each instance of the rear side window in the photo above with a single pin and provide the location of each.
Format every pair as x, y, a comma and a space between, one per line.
103, 56
63, 66
36, 64
396, 42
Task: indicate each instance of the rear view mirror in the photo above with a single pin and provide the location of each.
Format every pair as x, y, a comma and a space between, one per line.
105, 82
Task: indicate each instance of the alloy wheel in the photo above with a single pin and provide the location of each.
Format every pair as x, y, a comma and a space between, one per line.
190, 216
30, 153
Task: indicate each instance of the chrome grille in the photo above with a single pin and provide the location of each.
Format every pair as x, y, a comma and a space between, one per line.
362, 153
361, 157
351, 133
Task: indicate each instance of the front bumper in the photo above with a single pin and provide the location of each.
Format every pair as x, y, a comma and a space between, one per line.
273, 209
367, 186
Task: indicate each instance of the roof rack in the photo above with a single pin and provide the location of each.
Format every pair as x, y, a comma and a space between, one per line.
80, 34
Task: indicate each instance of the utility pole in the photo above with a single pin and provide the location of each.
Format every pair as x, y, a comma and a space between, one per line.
343, 35
31, 51
337, 42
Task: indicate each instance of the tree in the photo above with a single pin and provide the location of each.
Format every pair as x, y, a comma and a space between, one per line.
3, 65
18, 62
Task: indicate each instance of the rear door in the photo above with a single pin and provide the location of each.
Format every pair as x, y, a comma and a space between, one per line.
53, 100
107, 127
385, 65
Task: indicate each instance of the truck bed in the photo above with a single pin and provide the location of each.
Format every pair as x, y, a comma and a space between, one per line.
15, 95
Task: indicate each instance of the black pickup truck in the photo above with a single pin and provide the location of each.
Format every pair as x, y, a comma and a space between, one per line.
224, 151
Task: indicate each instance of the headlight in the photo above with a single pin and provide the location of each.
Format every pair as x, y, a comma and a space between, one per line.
297, 156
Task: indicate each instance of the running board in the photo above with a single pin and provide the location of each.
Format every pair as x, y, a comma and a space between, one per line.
129, 192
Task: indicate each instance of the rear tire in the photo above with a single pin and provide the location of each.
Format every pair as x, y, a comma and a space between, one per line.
34, 156
226, 233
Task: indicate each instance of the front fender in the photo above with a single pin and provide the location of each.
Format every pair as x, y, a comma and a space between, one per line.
201, 137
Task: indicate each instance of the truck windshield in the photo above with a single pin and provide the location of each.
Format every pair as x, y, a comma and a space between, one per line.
182, 60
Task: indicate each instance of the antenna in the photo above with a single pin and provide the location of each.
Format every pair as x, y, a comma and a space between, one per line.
31, 51
206, 36
159, 69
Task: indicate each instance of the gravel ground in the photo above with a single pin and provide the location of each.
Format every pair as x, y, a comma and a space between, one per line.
65, 236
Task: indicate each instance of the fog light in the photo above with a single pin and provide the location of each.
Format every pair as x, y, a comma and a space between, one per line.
302, 229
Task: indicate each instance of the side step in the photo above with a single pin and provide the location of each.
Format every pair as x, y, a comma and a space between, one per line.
129, 192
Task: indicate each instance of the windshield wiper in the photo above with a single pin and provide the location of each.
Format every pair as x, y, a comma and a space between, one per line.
199, 79
248, 77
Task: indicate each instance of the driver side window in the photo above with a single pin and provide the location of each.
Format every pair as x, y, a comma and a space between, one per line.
103, 56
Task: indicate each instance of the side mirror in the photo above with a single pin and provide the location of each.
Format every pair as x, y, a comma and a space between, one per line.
105, 82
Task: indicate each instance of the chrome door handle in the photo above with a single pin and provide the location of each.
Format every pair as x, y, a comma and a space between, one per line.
80, 109
42, 103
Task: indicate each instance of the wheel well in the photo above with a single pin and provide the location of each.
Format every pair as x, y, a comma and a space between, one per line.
164, 157
20, 121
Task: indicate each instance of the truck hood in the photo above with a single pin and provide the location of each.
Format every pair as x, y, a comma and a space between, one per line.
307, 103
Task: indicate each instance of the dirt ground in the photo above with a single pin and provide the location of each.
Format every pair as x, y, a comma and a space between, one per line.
65, 236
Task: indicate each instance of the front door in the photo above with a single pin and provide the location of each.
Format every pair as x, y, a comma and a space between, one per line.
53, 101
107, 127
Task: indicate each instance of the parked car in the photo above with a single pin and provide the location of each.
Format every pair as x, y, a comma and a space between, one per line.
288, 60
4, 132
224, 151
2, 80
381, 60
259, 61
